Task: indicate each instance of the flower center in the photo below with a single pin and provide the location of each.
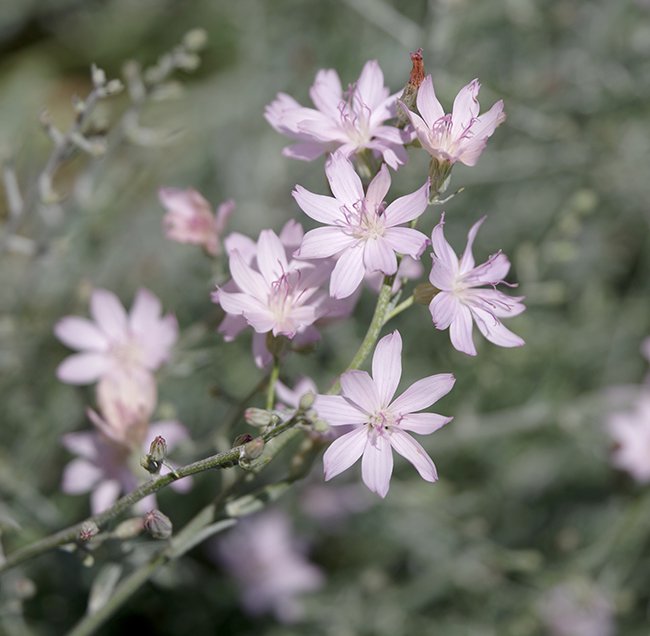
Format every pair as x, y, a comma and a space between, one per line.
381, 423
282, 296
365, 221
355, 119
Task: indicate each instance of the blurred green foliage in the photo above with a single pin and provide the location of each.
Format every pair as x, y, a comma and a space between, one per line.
527, 497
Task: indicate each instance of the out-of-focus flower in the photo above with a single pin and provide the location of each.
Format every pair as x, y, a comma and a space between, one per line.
361, 230
350, 122
645, 348
462, 300
264, 557
333, 504
115, 342
577, 608
190, 218
408, 269
381, 422
291, 397
126, 402
630, 432
107, 469
461, 136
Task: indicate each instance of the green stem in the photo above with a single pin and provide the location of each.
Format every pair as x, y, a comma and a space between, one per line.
273, 378
71, 534
405, 304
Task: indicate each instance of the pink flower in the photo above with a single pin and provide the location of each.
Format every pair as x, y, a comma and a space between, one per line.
461, 136
291, 397
115, 341
461, 300
274, 294
630, 431
126, 402
190, 219
360, 229
107, 469
265, 558
381, 422
349, 122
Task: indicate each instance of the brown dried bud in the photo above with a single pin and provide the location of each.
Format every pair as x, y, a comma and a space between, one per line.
240, 440
158, 525
410, 92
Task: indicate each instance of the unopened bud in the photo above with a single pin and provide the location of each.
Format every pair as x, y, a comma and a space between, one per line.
242, 439
114, 87
154, 459
195, 40
89, 529
410, 92
158, 525
307, 401
321, 426
259, 417
423, 293
98, 75
439, 173
187, 61
253, 449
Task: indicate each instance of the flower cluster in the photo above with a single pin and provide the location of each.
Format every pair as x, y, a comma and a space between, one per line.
120, 352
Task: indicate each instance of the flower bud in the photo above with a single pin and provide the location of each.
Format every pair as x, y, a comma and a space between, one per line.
240, 440
307, 401
98, 76
253, 449
321, 426
89, 529
158, 525
410, 92
155, 458
439, 173
259, 417
195, 40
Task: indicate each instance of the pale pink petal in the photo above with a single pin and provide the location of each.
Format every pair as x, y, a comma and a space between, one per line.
379, 257
387, 366
423, 423
108, 313
422, 131
324, 242
377, 465
319, 207
80, 333
467, 260
441, 247
291, 235
343, 452
441, 277
358, 387
307, 151
493, 271
408, 448
104, 496
466, 108
494, 330
486, 124
326, 92
495, 302
80, 476
337, 411
378, 187
428, 104
444, 307
82, 368
348, 272
370, 85
344, 181
271, 256
261, 354
423, 393
405, 240
224, 212
408, 207
460, 331
248, 280
239, 304
82, 444
145, 312
245, 245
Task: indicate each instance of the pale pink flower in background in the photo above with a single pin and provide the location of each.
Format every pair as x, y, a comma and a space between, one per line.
126, 402
461, 136
645, 348
630, 431
577, 608
462, 299
107, 469
269, 565
115, 342
350, 122
290, 397
381, 422
361, 230
190, 218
